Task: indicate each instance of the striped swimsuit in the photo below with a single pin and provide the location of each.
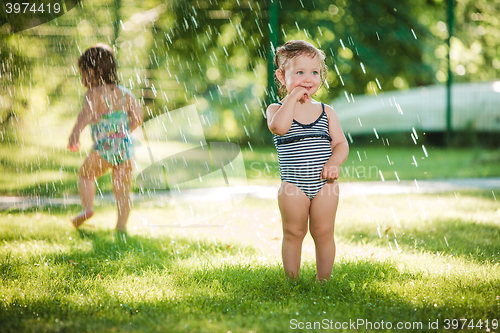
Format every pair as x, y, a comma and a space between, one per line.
302, 153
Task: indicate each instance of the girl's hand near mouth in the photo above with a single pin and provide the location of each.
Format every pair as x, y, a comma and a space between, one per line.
300, 93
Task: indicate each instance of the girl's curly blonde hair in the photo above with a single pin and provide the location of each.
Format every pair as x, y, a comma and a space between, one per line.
293, 49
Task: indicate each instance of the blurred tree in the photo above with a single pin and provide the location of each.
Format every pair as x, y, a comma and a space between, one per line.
369, 45
216, 52
476, 46
213, 53
14, 67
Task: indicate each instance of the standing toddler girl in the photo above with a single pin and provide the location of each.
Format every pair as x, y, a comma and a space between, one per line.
311, 148
112, 112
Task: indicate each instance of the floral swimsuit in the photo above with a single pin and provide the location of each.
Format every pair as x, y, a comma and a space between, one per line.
111, 134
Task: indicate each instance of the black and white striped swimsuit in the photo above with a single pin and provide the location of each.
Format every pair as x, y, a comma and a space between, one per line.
302, 153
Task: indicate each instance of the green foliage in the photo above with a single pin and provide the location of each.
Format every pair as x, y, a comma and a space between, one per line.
476, 45
364, 42
220, 279
214, 54
218, 53
14, 69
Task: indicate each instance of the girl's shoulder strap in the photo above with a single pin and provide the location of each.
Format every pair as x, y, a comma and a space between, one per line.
125, 91
323, 113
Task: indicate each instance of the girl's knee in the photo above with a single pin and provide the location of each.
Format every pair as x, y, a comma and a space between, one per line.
124, 202
122, 175
295, 233
323, 231
121, 191
121, 185
85, 173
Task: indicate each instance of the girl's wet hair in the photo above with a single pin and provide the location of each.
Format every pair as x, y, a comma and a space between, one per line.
101, 59
293, 49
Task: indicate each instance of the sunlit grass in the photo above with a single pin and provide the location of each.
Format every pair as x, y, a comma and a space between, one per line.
366, 162
228, 277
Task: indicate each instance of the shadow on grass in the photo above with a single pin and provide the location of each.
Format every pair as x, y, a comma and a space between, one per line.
201, 292
135, 254
25, 171
231, 297
54, 188
493, 195
477, 242
37, 225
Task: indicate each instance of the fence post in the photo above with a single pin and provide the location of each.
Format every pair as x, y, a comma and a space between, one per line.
449, 127
116, 26
273, 43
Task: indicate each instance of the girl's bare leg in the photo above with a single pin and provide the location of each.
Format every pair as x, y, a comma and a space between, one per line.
92, 168
321, 225
294, 208
122, 182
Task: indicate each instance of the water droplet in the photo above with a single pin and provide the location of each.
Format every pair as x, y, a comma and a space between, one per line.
413, 138
425, 151
414, 132
394, 217
415, 161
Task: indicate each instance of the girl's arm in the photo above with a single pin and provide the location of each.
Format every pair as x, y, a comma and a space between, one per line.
134, 113
280, 118
84, 118
340, 147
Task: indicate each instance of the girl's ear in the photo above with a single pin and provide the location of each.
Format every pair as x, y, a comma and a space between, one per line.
280, 75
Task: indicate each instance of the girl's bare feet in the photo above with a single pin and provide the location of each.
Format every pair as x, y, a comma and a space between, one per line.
79, 219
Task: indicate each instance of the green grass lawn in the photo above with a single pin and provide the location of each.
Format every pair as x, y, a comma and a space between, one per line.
37, 163
365, 163
409, 258
49, 170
